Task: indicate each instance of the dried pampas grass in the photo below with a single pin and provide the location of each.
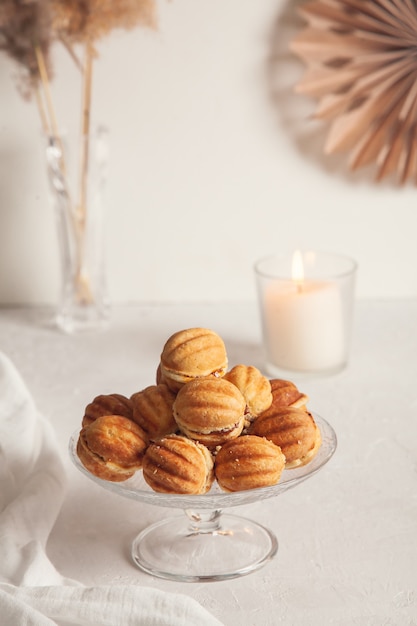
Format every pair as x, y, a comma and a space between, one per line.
86, 22
25, 29
362, 68
28, 28
82, 21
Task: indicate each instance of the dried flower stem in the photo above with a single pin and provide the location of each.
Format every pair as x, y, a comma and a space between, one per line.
71, 52
85, 127
77, 218
42, 112
47, 91
82, 279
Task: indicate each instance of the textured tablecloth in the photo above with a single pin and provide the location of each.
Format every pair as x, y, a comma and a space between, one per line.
347, 537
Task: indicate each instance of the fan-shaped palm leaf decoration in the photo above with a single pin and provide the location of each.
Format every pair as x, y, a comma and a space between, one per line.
361, 58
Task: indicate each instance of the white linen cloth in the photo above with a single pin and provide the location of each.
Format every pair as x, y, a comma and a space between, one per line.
32, 488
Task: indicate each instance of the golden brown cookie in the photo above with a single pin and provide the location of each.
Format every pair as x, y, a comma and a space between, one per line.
293, 430
192, 353
152, 410
112, 447
285, 393
210, 410
248, 462
107, 404
254, 386
176, 464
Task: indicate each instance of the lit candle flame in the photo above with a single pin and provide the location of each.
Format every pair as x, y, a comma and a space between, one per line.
297, 269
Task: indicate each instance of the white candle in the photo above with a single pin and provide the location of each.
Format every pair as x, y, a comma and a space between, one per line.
306, 305
304, 325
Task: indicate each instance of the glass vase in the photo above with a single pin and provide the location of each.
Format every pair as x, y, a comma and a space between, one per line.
77, 186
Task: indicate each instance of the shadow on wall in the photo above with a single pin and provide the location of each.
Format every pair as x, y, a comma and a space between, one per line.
295, 112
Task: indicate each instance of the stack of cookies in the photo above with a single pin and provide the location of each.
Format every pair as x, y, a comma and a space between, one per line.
199, 423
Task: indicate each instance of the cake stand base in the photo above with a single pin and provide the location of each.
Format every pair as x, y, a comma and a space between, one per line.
209, 547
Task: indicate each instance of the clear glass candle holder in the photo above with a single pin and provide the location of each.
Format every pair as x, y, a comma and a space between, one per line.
306, 302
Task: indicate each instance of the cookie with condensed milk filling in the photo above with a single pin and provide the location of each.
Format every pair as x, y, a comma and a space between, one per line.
293, 430
192, 353
210, 410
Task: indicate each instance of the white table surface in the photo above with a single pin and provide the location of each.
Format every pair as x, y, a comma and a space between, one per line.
347, 537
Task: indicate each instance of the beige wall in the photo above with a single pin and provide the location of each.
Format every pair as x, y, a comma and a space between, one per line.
214, 163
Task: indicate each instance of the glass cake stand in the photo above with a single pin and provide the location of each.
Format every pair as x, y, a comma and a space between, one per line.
205, 544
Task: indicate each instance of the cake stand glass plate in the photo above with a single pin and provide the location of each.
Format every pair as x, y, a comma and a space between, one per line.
205, 544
